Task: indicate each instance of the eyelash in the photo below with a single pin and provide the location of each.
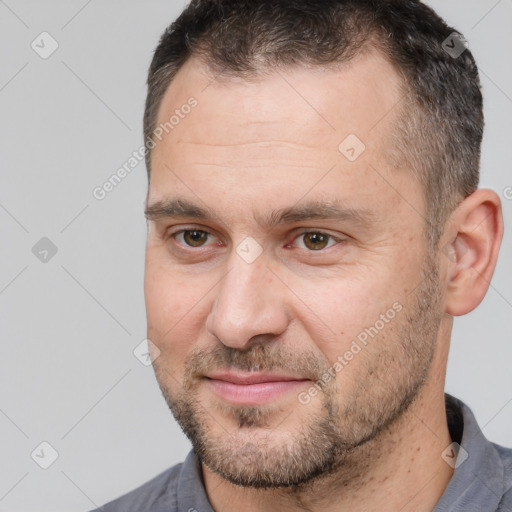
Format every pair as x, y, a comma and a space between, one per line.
301, 234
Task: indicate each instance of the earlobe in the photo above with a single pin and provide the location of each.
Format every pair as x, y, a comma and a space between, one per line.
473, 251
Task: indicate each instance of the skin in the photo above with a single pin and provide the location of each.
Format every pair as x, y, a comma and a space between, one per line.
372, 438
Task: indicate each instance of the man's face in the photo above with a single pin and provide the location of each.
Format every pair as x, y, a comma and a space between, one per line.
283, 253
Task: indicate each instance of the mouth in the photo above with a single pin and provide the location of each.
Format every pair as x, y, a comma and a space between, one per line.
252, 388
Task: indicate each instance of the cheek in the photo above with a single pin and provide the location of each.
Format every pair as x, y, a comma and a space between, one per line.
176, 308
335, 313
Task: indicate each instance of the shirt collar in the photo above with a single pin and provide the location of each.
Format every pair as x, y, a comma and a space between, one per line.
477, 481
191, 493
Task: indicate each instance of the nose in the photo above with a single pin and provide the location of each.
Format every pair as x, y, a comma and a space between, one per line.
250, 302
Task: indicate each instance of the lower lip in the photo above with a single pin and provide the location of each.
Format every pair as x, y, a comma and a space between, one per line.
253, 394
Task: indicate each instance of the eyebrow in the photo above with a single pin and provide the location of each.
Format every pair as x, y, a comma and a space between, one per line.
312, 210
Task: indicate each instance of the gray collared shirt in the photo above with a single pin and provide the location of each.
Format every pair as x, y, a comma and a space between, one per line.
481, 482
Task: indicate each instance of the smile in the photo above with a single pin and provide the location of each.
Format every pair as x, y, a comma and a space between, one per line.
252, 388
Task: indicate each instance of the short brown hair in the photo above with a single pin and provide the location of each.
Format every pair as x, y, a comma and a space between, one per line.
439, 126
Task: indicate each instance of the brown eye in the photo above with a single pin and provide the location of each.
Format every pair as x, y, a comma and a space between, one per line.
195, 238
315, 241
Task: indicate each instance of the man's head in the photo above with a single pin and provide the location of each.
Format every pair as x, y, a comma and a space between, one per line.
296, 214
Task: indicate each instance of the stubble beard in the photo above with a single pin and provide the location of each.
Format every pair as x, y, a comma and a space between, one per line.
333, 438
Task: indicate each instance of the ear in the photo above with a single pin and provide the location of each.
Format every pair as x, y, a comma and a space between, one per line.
475, 231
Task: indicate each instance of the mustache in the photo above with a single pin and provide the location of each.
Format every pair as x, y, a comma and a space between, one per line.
259, 357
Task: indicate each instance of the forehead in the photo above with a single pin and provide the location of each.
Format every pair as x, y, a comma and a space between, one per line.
354, 97
285, 127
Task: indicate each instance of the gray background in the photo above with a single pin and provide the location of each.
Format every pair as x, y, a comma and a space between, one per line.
70, 325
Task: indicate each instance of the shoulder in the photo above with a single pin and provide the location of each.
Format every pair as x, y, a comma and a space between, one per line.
506, 458
156, 495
